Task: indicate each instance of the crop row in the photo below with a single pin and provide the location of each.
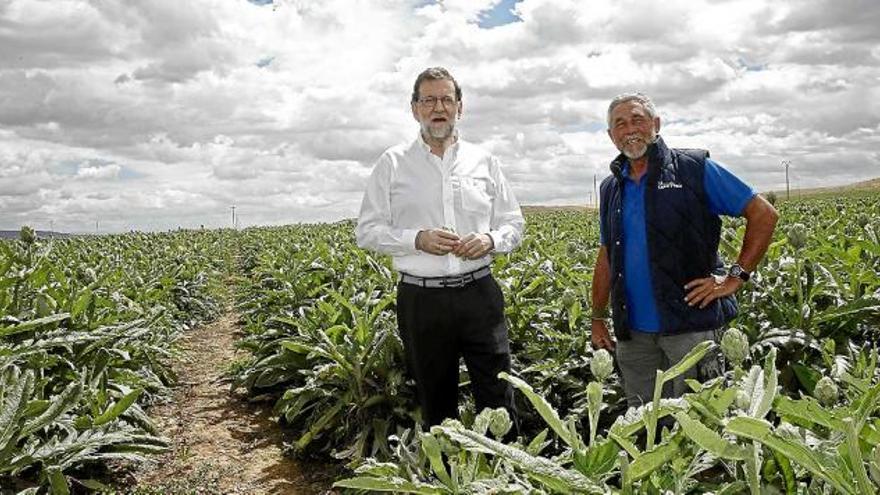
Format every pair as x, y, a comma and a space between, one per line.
319, 320
87, 327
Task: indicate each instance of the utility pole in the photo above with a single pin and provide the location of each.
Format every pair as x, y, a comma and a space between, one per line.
786, 164
233, 215
96, 227
595, 194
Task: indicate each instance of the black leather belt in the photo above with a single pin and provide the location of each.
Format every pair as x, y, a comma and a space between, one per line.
444, 282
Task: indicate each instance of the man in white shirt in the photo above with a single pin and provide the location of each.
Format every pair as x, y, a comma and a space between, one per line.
440, 206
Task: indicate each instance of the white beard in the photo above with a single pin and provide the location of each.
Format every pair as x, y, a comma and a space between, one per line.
635, 151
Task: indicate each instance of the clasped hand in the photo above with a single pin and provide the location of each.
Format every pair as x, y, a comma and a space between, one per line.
441, 242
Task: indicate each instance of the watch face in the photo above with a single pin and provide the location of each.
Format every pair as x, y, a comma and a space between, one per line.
738, 272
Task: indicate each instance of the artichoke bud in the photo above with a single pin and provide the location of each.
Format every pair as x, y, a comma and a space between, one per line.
568, 298
481, 422
27, 235
826, 391
45, 305
797, 236
602, 365
735, 346
499, 422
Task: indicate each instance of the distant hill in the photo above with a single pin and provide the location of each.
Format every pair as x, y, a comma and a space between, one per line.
863, 186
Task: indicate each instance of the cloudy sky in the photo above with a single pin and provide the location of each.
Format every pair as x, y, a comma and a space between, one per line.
158, 114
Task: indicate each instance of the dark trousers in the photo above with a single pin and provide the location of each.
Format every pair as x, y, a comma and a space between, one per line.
438, 326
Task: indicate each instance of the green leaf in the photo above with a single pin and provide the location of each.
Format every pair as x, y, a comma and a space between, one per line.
649, 462
760, 408
118, 408
601, 459
709, 440
688, 361
786, 471
734, 488
807, 411
95, 485
807, 376
57, 481
13, 406
537, 444
550, 416
32, 324
82, 301
322, 423
760, 431
431, 447
396, 485
867, 404
554, 475
60, 404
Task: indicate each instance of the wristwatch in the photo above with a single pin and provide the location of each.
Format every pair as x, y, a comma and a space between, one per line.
738, 272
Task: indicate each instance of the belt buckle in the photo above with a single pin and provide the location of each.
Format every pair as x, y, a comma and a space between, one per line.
454, 281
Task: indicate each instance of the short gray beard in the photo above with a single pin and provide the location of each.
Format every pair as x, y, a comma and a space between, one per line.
441, 133
638, 153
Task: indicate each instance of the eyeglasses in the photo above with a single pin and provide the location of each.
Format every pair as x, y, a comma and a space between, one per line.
431, 101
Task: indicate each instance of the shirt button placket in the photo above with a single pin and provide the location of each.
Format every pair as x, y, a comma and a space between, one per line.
452, 262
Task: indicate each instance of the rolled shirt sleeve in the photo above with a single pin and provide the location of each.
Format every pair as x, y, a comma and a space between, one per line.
507, 222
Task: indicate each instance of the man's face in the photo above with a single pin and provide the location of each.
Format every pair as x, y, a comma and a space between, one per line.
437, 120
632, 129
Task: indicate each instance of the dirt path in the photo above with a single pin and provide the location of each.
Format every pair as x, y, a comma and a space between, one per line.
221, 443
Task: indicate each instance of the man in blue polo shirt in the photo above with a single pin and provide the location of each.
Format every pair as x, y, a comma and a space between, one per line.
658, 262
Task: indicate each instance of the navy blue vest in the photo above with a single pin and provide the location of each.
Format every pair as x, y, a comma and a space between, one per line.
682, 233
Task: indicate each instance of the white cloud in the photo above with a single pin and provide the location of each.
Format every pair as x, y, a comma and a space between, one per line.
163, 114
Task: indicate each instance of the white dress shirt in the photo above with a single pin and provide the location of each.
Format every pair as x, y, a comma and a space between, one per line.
412, 189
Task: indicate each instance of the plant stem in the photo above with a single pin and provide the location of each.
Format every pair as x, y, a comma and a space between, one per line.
753, 469
651, 424
625, 481
855, 457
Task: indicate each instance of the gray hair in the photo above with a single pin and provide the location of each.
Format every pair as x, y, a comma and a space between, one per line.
640, 98
435, 74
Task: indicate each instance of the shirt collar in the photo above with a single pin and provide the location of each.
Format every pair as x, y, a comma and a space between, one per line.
419, 141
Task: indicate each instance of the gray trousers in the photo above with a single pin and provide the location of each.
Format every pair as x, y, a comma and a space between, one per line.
640, 357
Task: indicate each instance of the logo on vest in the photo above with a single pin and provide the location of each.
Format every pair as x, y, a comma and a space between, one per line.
668, 185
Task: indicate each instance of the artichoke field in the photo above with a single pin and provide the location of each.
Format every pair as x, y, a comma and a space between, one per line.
87, 327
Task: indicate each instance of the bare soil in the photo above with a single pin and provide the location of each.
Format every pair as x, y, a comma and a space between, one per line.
221, 443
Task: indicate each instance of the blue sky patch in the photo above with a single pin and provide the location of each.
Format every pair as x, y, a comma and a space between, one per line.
593, 126
261, 2
500, 15
70, 168
265, 62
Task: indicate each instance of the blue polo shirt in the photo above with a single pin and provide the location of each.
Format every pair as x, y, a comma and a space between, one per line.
726, 194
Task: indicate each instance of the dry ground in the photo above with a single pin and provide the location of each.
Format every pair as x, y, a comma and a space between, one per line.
220, 442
